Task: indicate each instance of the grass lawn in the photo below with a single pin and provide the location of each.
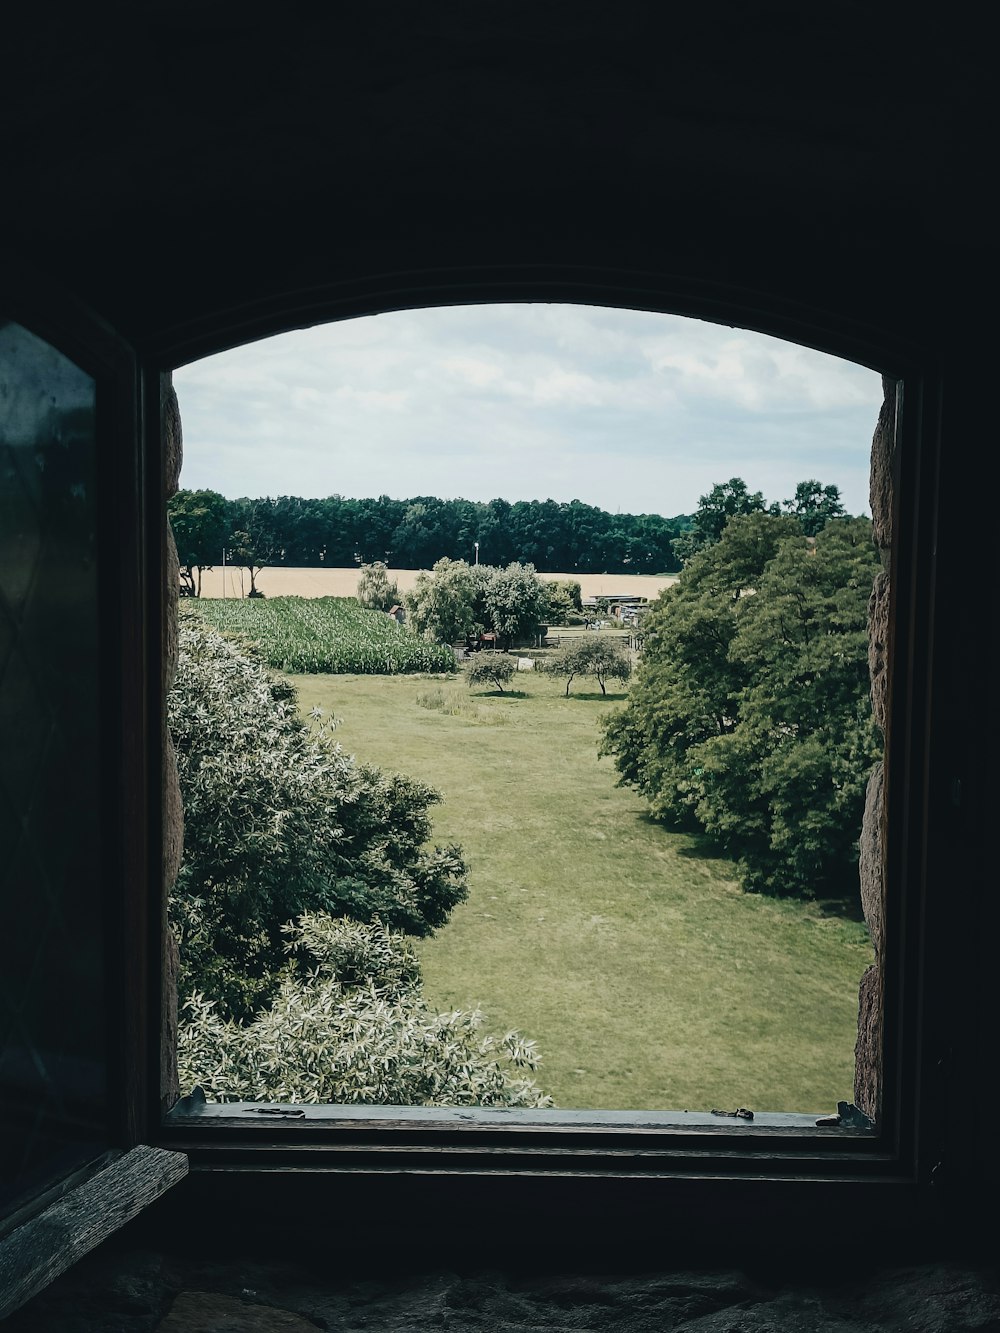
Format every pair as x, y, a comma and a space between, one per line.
646, 976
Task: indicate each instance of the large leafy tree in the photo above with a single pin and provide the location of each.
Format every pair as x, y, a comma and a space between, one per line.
814, 505
441, 604
515, 602
280, 821
750, 718
199, 522
724, 501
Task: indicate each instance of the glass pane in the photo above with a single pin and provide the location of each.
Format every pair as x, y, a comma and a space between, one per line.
53, 1090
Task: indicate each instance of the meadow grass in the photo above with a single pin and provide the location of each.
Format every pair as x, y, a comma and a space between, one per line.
628, 952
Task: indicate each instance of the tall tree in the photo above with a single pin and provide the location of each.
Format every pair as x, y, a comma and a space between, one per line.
814, 505
749, 718
725, 500
516, 603
198, 520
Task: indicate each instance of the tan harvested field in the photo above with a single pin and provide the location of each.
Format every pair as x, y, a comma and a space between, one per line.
343, 582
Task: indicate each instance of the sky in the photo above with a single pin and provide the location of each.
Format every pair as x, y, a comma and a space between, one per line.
632, 411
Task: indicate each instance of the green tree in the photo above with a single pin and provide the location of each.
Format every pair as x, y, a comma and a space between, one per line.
198, 520
784, 791
516, 603
490, 669
814, 505
596, 655
279, 821
440, 606
249, 553
565, 601
749, 717
724, 501
376, 590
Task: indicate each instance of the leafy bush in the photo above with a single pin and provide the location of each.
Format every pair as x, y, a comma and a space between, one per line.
354, 1029
332, 635
490, 669
280, 821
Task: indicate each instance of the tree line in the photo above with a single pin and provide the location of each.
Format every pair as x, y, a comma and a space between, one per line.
338, 532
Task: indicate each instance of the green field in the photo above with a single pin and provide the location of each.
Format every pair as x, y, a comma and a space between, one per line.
325, 634
648, 979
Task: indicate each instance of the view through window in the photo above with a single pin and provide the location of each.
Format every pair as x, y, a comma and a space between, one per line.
528, 768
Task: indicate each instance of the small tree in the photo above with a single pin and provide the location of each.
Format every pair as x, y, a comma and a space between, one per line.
490, 669
602, 658
376, 590
247, 552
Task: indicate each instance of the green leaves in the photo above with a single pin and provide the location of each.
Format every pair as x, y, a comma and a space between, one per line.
353, 1027
594, 655
279, 821
490, 669
749, 717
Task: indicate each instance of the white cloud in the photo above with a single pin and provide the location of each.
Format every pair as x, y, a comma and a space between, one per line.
621, 408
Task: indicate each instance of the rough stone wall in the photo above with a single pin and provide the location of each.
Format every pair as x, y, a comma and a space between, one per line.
868, 1050
151, 1291
173, 815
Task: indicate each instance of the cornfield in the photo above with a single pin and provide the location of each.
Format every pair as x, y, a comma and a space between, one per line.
328, 635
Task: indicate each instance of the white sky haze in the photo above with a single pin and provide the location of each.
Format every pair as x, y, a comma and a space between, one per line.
624, 409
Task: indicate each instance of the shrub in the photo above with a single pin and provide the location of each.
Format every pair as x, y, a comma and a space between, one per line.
280, 821
354, 1029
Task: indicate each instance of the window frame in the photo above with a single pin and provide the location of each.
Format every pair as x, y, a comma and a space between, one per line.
900, 1151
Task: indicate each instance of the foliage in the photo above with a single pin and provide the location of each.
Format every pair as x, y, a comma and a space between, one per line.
594, 655
440, 605
565, 598
252, 541
723, 502
340, 532
376, 590
199, 521
814, 505
280, 821
326, 634
515, 601
351, 1026
749, 718
490, 669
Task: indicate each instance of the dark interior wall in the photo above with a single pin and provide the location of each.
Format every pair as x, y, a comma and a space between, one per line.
203, 157
201, 174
